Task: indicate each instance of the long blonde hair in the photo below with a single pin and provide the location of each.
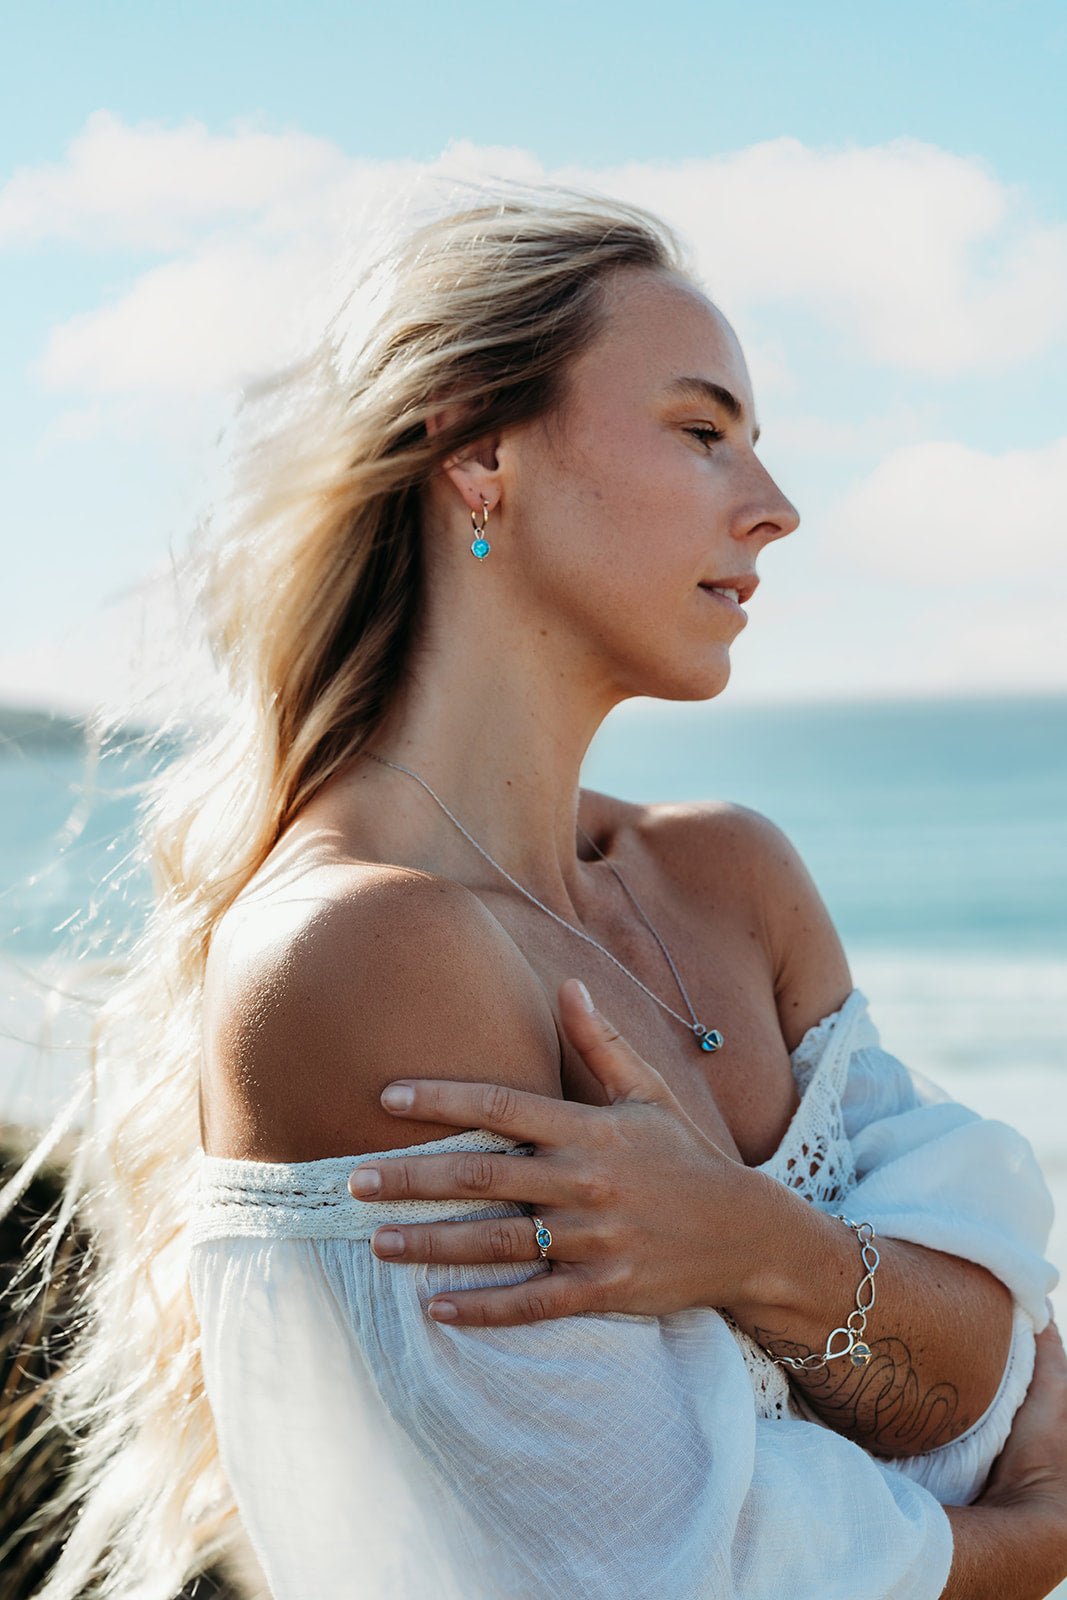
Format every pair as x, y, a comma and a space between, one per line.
308, 588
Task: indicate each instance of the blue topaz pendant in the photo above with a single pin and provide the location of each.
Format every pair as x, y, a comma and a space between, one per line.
708, 1038
480, 546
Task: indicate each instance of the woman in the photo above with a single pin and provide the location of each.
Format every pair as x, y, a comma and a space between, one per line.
381, 869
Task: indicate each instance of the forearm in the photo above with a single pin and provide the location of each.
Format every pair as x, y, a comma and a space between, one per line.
1010, 1552
939, 1331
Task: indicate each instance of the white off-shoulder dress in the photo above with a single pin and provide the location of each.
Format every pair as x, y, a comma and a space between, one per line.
373, 1452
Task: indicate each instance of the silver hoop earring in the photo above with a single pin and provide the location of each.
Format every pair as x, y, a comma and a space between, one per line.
480, 547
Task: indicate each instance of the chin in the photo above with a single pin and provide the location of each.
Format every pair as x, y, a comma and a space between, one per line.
689, 681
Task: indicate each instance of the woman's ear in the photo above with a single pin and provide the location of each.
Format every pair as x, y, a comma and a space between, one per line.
473, 470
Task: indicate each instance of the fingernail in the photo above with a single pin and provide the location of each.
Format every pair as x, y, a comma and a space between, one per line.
398, 1097
368, 1180
390, 1242
585, 997
443, 1311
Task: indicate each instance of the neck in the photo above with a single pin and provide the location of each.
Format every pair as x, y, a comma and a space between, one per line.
500, 734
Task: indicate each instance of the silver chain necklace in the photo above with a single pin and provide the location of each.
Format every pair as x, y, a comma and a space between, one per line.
706, 1038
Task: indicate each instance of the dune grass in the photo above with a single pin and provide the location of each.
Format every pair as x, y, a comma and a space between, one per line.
34, 1342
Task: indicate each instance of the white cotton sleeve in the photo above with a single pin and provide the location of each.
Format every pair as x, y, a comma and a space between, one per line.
934, 1172
373, 1451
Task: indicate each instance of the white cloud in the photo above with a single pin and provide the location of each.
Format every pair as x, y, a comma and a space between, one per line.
852, 640
939, 513
943, 571
922, 255
194, 325
848, 436
901, 255
993, 642
918, 257
155, 187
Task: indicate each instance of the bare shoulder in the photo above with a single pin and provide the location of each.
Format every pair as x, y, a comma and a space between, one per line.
318, 996
722, 850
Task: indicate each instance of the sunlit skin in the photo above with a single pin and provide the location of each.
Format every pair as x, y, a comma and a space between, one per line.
604, 520
602, 525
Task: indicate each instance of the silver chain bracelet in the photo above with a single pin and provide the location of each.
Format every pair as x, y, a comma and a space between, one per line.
856, 1349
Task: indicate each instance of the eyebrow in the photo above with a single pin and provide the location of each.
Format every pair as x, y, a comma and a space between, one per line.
704, 389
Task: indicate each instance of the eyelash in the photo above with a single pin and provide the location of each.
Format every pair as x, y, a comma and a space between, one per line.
710, 433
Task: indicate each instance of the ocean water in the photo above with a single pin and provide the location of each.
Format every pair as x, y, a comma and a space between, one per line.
935, 830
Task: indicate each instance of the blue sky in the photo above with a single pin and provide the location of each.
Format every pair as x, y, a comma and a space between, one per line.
875, 195
598, 82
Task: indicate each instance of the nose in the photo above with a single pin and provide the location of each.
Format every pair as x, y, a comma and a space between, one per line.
768, 509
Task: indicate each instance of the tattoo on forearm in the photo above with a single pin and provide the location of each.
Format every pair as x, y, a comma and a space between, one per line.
883, 1404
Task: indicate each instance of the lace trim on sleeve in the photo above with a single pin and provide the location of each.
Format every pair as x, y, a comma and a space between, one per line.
815, 1156
811, 1052
311, 1199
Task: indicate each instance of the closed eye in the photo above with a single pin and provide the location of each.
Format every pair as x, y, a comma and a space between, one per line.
706, 433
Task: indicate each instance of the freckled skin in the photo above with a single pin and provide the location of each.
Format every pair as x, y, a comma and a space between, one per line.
621, 477
345, 957
606, 518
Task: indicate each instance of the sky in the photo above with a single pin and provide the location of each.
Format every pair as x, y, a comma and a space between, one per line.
876, 197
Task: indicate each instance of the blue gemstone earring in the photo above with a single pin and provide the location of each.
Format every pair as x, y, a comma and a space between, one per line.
480, 547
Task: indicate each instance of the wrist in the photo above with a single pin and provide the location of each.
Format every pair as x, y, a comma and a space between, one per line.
1046, 1507
784, 1241
1012, 1547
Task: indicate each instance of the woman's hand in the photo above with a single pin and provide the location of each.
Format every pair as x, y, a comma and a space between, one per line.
1032, 1467
1012, 1540
647, 1214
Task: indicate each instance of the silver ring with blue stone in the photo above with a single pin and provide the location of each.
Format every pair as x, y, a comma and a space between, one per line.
544, 1238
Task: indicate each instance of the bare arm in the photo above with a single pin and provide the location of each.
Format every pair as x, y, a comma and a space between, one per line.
319, 997
939, 1333
941, 1327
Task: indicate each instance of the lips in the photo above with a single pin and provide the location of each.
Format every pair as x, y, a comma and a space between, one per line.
746, 584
